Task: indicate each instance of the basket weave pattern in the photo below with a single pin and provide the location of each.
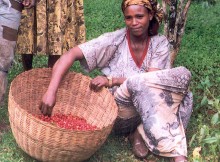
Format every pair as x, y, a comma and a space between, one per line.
47, 142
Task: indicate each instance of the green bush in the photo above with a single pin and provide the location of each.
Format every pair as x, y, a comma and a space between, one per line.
206, 2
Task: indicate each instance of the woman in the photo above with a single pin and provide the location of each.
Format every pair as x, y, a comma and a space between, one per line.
51, 28
120, 55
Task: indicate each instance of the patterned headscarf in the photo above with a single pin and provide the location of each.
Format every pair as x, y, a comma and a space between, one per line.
149, 4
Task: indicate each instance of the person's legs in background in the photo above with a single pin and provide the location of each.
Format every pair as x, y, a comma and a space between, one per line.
3, 86
52, 60
6, 59
10, 14
27, 60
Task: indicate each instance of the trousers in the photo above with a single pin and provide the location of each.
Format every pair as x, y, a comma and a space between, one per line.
10, 15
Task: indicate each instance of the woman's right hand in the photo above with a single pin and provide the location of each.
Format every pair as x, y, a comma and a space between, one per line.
47, 103
98, 82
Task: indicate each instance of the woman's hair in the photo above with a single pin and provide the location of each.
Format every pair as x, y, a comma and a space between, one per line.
152, 7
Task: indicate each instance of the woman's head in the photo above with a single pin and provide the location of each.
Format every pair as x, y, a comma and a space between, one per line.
142, 14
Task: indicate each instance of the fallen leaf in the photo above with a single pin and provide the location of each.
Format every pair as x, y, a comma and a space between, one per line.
196, 152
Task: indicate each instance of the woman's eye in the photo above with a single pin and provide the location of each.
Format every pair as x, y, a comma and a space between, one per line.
127, 18
139, 16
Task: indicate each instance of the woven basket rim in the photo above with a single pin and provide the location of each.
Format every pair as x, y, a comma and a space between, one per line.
47, 124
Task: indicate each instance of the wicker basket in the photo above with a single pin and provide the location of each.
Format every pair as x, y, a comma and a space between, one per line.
47, 142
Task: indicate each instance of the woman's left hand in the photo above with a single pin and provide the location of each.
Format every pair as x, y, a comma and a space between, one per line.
98, 82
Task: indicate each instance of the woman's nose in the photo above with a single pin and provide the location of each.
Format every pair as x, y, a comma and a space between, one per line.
134, 21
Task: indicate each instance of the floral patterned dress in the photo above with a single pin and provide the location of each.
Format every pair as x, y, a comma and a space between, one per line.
164, 103
110, 53
160, 98
51, 28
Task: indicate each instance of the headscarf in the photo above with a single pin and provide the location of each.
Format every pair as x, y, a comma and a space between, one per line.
152, 5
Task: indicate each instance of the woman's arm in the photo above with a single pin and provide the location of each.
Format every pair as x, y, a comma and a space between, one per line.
117, 81
153, 69
103, 81
59, 70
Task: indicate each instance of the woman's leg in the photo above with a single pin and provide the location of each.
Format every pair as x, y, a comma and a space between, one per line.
156, 97
180, 159
139, 148
27, 60
126, 124
52, 60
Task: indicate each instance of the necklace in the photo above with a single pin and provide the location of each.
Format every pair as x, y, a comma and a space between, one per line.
138, 60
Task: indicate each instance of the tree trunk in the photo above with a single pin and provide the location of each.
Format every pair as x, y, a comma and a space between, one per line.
174, 23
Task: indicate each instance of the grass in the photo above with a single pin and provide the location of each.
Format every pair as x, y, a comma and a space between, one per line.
200, 53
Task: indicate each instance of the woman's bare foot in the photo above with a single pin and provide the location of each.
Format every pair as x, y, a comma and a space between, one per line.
180, 159
139, 148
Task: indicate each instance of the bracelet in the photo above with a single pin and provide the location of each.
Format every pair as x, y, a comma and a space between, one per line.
109, 81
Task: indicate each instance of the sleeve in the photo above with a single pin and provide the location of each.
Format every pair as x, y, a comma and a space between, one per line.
161, 53
98, 52
122, 95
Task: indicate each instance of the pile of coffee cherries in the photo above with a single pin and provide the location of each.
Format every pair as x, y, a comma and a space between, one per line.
69, 122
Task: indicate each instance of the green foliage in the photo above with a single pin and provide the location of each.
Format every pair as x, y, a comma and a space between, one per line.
9, 151
209, 135
102, 16
206, 2
200, 53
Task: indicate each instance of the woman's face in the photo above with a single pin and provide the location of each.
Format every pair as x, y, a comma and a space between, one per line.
137, 19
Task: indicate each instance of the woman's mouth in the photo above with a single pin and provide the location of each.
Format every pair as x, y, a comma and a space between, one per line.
136, 29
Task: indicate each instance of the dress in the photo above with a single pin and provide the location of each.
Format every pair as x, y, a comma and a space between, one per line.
163, 102
51, 28
10, 14
110, 53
